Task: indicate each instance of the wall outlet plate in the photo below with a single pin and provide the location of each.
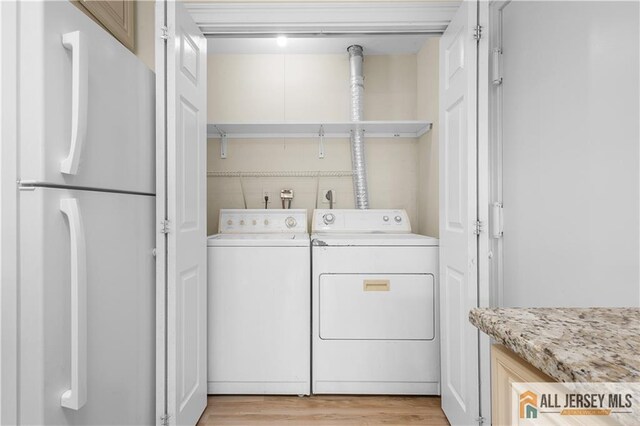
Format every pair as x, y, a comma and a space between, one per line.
266, 194
323, 195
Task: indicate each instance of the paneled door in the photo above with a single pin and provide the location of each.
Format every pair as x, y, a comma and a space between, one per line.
458, 204
181, 76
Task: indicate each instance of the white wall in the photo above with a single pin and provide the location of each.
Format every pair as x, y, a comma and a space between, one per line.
428, 109
571, 154
246, 88
144, 32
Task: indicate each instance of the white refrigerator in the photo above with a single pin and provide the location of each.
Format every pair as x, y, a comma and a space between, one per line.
86, 206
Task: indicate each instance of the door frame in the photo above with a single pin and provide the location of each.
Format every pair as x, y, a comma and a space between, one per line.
486, 283
495, 165
160, 15
303, 18
229, 19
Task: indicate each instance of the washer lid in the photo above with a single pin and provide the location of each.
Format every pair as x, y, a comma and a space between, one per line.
258, 240
373, 240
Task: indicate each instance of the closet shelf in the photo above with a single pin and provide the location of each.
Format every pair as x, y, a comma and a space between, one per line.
373, 129
283, 174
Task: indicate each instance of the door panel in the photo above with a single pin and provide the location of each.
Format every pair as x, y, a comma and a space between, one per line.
190, 185
182, 285
458, 198
455, 343
115, 107
455, 164
190, 328
119, 344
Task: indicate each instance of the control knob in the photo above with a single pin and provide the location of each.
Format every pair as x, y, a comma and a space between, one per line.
398, 219
329, 218
291, 222
385, 218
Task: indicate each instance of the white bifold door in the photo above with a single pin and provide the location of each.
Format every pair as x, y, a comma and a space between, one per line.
181, 94
458, 216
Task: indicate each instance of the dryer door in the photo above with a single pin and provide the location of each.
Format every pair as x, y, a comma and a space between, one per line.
377, 307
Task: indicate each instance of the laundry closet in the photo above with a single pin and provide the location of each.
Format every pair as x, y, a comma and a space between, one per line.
302, 131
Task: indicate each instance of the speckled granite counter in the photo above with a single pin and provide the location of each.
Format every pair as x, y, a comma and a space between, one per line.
569, 344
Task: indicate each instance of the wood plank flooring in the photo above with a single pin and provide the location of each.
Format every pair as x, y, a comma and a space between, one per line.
323, 410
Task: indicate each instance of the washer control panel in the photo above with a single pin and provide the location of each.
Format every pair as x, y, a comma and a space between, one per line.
260, 221
361, 221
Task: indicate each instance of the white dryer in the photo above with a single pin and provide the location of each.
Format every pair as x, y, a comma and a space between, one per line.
374, 305
259, 303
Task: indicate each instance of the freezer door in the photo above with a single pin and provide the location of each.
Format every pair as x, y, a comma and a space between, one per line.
87, 313
86, 105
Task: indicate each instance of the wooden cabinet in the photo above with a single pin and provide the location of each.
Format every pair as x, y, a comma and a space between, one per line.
116, 16
506, 368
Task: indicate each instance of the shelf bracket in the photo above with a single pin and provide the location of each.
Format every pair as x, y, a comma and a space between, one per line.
321, 142
223, 146
223, 142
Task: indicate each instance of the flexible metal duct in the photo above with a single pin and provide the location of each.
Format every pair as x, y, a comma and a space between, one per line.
360, 189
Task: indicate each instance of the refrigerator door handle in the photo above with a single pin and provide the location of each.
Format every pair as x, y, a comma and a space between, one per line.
75, 42
76, 397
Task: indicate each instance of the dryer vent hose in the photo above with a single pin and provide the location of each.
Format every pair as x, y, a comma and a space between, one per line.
360, 189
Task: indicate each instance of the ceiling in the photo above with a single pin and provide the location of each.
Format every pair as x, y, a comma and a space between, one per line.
372, 44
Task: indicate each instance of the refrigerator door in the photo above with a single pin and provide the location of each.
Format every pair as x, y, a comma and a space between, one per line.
87, 308
87, 104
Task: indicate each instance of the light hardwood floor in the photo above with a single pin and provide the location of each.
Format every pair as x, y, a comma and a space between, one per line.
323, 410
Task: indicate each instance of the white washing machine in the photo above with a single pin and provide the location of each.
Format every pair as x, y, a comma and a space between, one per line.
374, 305
259, 303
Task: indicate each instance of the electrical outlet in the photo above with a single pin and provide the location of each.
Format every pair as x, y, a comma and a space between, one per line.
325, 199
266, 194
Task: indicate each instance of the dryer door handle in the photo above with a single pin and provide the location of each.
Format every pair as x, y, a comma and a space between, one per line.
376, 285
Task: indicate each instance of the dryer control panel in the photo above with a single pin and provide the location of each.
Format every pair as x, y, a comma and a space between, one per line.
351, 221
260, 221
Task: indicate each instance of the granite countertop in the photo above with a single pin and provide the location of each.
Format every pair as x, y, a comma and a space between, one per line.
569, 344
